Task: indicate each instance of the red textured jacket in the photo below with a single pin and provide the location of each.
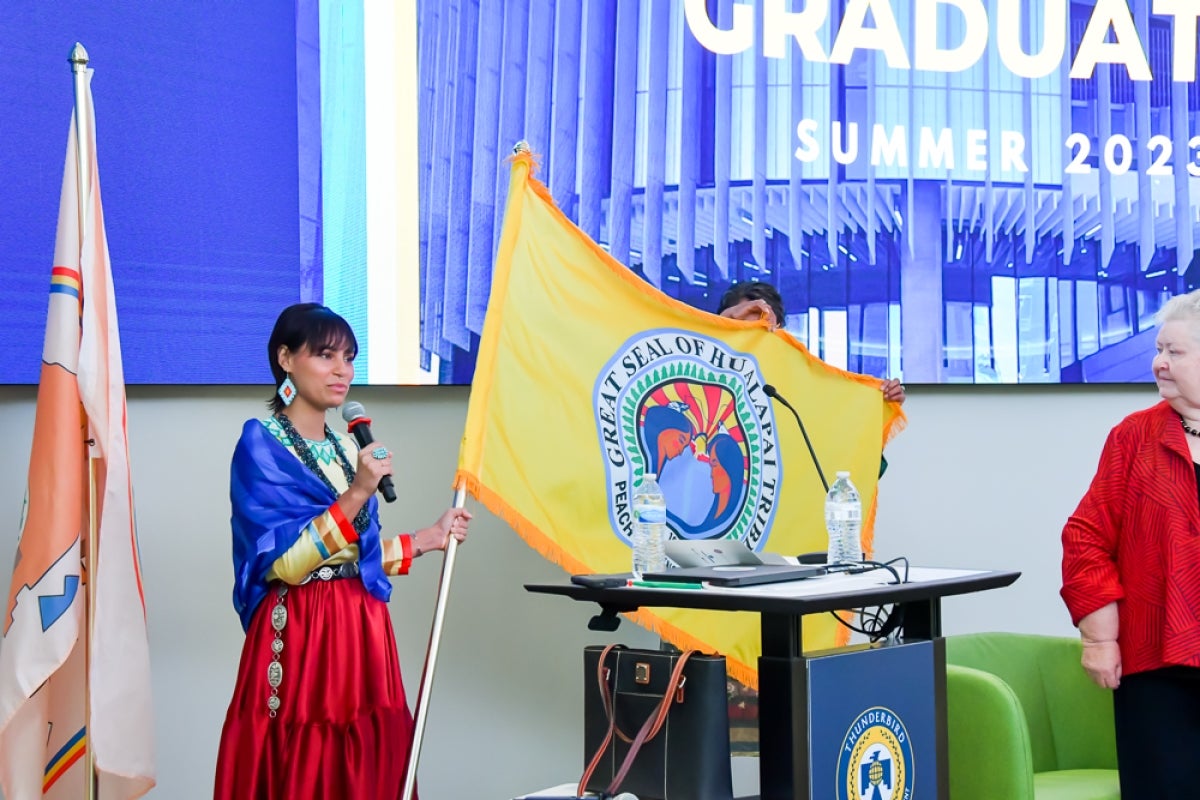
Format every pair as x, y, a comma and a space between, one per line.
1135, 538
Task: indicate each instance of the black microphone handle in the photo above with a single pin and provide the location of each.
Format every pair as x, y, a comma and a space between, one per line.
362, 435
807, 441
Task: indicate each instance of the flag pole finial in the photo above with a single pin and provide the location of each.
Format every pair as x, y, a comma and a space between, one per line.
78, 57
521, 147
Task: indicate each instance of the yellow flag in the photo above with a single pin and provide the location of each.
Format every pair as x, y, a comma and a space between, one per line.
588, 377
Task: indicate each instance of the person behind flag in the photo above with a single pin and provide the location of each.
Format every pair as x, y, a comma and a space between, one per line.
1129, 575
319, 708
751, 301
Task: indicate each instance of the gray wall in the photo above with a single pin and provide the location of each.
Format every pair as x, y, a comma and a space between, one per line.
982, 478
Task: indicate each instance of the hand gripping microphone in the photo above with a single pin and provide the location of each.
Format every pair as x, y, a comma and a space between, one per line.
359, 425
770, 391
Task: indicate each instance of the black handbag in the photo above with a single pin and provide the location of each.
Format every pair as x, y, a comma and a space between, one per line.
656, 724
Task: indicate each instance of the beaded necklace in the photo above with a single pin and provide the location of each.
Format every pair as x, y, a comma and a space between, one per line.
1187, 429
361, 519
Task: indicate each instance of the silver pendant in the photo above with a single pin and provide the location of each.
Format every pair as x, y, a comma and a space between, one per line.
278, 617
273, 703
277, 646
325, 573
275, 674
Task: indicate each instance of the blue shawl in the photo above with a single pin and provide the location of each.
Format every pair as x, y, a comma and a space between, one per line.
274, 496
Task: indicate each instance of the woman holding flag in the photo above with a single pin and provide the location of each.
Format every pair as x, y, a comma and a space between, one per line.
319, 708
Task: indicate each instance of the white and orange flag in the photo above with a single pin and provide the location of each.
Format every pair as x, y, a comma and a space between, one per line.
45, 675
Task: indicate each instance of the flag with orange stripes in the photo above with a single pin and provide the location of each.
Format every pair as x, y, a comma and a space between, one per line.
62, 694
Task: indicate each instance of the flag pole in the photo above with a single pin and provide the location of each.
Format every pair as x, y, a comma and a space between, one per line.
435, 635
79, 68
435, 638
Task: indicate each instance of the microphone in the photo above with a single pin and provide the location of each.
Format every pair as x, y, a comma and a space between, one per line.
771, 392
359, 425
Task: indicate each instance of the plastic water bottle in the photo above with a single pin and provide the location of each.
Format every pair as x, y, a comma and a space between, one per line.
843, 521
649, 527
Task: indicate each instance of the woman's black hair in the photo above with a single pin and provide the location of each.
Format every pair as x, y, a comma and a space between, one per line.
309, 326
754, 290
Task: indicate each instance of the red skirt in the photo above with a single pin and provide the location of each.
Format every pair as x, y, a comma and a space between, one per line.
343, 728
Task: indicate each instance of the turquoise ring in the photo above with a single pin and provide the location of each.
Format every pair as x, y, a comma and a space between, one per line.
379, 453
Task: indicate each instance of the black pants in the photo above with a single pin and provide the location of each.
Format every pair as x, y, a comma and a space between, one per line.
1158, 733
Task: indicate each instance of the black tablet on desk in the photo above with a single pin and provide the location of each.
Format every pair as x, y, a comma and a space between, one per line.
738, 575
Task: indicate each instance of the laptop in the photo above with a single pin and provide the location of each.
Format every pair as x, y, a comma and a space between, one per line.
738, 574
718, 552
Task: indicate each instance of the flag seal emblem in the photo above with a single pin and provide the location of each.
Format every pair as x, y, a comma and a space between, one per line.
692, 410
876, 761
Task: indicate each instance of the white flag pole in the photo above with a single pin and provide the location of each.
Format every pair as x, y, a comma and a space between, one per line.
435, 638
79, 68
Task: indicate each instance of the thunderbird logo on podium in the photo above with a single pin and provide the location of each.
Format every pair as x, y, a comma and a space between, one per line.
872, 731
876, 762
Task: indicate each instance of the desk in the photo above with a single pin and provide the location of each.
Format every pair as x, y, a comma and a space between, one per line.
783, 668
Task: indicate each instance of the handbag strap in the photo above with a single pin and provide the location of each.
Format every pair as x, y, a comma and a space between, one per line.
602, 680
653, 723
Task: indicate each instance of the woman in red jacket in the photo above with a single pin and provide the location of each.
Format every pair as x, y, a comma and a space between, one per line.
1131, 570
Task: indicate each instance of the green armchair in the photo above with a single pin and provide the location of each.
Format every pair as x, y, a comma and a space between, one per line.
1024, 722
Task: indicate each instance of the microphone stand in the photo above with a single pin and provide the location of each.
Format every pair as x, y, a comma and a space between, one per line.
435, 639
770, 391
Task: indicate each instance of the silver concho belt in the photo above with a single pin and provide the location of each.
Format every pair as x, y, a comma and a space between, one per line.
331, 572
279, 619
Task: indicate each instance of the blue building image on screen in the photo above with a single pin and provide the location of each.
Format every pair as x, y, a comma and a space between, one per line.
945, 192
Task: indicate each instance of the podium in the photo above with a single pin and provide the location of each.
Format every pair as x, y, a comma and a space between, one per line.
824, 734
